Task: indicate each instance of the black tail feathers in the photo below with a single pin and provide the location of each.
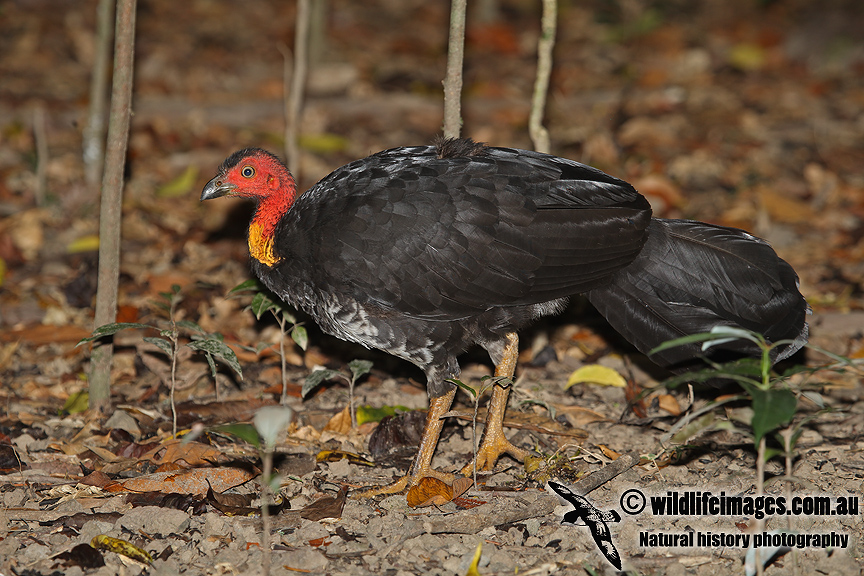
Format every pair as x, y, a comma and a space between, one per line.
691, 277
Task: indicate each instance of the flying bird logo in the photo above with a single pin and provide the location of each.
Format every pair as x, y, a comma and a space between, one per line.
586, 514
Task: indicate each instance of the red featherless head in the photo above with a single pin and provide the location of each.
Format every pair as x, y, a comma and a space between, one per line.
255, 174
260, 176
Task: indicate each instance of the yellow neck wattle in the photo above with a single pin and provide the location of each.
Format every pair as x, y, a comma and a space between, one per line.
261, 245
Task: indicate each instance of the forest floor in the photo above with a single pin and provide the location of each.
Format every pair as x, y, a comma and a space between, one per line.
741, 113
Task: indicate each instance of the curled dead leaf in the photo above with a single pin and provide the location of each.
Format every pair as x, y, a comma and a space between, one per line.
434, 492
609, 453
326, 507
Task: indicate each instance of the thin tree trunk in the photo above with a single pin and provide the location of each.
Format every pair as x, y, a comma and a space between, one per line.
294, 93
453, 79
539, 134
112, 198
94, 133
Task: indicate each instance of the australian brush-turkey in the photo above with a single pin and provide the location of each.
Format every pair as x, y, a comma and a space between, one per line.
424, 251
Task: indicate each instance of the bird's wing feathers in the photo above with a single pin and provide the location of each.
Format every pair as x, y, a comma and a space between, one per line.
446, 238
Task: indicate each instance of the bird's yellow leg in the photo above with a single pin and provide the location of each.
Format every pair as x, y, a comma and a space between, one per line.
494, 444
422, 466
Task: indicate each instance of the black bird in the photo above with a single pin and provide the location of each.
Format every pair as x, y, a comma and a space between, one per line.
424, 251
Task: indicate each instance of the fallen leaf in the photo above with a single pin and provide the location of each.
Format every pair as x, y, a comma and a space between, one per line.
434, 492
88, 243
668, 403
372, 414
633, 395
42, 334
596, 374
428, 492
472, 569
232, 504
608, 452
195, 481
747, 57
397, 435
122, 547
579, 416
76, 403
317, 542
176, 450
336, 455
326, 507
83, 555
782, 208
339, 423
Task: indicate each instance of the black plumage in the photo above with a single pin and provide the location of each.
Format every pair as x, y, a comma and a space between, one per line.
424, 251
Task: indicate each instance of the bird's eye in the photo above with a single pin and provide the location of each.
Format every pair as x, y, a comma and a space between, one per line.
247, 172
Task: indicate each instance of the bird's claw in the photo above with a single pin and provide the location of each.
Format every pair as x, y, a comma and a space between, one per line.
490, 451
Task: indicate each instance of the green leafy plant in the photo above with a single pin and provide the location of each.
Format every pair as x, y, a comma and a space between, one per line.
358, 369
264, 302
773, 397
170, 340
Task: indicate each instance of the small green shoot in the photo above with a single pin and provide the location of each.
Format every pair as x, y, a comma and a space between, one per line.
262, 302
169, 340
358, 369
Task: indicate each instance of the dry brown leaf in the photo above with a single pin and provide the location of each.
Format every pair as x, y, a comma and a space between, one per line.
433, 492
41, 334
668, 403
340, 423
657, 187
429, 492
461, 485
175, 450
579, 415
608, 452
632, 395
326, 507
195, 481
163, 283
314, 357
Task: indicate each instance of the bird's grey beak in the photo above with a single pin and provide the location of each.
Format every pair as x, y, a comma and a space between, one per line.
217, 188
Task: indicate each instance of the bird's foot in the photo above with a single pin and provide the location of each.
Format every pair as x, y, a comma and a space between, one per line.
492, 447
408, 481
